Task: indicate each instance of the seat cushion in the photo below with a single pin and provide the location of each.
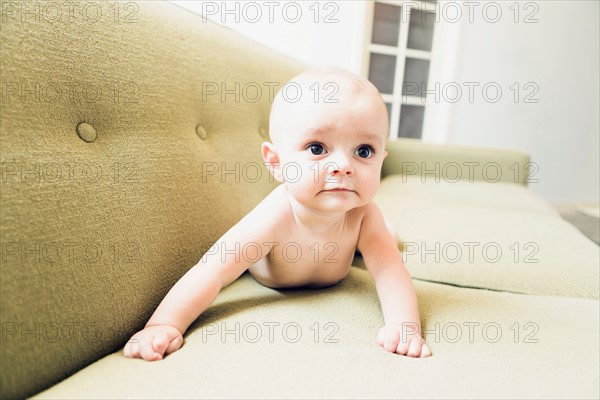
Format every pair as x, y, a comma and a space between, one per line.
323, 344
497, 236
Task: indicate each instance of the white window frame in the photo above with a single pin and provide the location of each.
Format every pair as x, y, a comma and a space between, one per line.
442, 68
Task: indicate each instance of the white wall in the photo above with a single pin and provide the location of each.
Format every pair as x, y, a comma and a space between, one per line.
326, 33
559, 54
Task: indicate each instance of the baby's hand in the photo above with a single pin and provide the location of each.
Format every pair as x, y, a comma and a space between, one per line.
153, 342
412, 344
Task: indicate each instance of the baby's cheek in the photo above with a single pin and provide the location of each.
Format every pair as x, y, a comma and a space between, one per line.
370, 189
293, 172
303, 184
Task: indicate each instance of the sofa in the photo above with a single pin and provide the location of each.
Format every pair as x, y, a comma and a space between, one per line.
130, 143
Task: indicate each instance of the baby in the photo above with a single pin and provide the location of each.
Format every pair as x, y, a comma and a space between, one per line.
328, 133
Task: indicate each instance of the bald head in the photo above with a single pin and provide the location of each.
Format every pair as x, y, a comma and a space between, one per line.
323, 88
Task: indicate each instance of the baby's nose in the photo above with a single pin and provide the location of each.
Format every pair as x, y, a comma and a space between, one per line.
341, 165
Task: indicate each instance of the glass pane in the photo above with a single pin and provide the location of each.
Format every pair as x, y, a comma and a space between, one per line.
416, 73
381, 72
386, 24
411, 121
389, 110
420, 30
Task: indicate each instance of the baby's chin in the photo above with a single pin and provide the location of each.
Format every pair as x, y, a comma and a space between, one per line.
329, 202
336, 204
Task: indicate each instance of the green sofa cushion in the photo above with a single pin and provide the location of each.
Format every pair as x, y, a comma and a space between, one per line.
496, 236
524, 346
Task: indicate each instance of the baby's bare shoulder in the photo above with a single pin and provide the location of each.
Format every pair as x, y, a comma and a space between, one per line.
271, 210
261, 223
275, 201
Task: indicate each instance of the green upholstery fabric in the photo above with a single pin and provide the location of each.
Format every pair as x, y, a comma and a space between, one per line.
120, 167
444, 163
488, 235
523, 347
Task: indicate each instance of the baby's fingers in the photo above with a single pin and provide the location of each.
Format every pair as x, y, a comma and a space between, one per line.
132, 349
425, 350
174, 345
414, 348
388, 337
147, 351
127, 349
165, 343
160, 342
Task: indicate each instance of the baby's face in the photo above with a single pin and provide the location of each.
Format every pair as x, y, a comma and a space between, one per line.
331, 154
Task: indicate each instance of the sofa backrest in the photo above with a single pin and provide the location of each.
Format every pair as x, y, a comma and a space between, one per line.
451, 163
130, 142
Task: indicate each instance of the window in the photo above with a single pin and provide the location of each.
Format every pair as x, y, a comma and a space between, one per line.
397, 60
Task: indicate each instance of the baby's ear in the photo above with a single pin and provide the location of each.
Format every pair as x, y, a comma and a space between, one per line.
271, 158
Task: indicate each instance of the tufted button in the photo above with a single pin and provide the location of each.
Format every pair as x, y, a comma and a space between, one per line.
262, 132
201, 132
86, 132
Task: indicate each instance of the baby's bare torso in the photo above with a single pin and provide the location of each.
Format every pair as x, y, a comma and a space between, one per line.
309, 257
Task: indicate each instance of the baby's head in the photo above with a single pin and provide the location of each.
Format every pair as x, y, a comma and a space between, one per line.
328, 129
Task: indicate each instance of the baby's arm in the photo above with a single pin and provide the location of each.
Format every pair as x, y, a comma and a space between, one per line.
199, 287
402, 331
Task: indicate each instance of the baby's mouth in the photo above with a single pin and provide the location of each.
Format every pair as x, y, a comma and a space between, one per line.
337, 190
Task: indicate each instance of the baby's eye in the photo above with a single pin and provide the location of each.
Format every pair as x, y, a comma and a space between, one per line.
317, 149
365, 151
